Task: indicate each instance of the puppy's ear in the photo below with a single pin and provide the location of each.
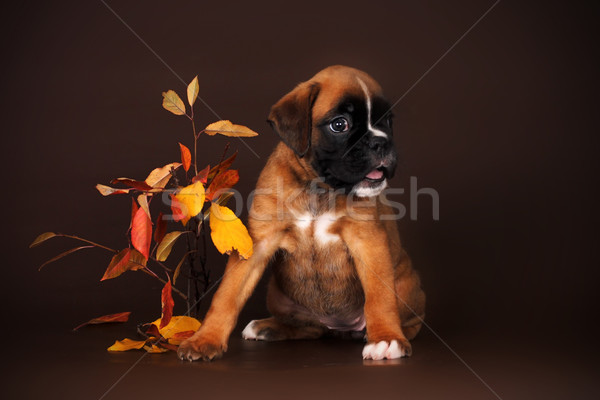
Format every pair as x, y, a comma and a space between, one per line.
291, 117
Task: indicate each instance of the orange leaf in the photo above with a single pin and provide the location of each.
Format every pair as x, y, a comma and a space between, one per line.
127, 344
221, 182
119, 317
61, 255
202, 175
228, 233
186, 157
107, 190
154, 349
141, 232
140, 185
190, 200
161, 228
222, 166
177, 209
167, 305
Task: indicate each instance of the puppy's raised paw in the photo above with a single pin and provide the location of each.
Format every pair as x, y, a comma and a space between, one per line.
200, 348
387, 350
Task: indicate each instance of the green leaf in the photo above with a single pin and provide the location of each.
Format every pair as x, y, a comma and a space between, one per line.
42, 238
166, 245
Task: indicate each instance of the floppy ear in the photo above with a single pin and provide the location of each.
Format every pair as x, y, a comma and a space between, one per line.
291, 117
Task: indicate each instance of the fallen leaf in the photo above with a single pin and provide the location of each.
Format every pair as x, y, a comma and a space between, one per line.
226, 128
127, 344
167, 304
202, 175
222, 166
190, 201
118, 264
155, 349
160, 229
159, 177
166, 245
140, 185
61, 255
119, 317
141, 232
107, 190
179, 337
179, 323
222, 182
186, 157
228, 233
172, 102
42, 238
192, 91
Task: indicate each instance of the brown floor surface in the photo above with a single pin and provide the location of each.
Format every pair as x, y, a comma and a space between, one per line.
76, 366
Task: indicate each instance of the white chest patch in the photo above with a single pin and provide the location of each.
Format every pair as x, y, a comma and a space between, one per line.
320, 227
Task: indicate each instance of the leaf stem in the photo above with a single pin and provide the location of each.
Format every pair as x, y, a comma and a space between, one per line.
180, 293
87, 241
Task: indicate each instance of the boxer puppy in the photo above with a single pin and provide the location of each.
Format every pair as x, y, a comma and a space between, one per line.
318, 220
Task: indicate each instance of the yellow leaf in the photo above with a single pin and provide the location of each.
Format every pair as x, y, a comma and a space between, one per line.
155, 349
159, 177
143, 201
192, 91
172, 102
228, 232
166, 245
179, 323
190, 200
226, 128
127, 344
42, 238
107, 190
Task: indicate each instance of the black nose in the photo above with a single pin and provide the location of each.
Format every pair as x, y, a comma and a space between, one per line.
378, 144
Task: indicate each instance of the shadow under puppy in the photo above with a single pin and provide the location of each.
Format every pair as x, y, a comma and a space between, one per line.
318, 220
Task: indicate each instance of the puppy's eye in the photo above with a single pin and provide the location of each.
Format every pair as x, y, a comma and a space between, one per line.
339, 125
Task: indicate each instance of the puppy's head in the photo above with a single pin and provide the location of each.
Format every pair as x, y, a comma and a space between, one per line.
341, 124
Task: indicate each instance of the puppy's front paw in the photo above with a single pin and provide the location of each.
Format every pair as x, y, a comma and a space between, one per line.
387, 350
194, 349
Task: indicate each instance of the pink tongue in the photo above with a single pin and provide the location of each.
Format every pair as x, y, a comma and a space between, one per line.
375, 174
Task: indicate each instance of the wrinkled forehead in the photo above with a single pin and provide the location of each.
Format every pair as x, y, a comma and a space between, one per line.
336, 87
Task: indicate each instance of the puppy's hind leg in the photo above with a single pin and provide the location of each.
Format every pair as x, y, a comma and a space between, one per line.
289, 321
271, 329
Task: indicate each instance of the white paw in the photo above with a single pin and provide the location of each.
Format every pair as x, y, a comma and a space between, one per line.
382, 350
249, 332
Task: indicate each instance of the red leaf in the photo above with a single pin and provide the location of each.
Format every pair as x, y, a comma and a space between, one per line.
202, 175
161, 228
178, 213
118, 264
222, 166
119, 317
141, 232
224, 180
152, 330
167, 305
134, 208
183, 335
140, 185
186, 157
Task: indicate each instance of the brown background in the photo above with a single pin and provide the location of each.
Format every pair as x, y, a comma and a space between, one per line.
504, 128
